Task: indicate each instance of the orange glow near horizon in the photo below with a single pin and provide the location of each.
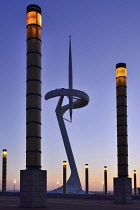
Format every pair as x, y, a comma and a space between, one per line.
34, 18
121, 72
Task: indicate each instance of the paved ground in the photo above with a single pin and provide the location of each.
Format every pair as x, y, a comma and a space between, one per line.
12, 202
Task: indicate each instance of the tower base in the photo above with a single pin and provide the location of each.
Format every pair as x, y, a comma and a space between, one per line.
33, 188
73, 185
122, 190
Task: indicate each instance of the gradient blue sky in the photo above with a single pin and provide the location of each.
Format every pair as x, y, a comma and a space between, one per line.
104, 32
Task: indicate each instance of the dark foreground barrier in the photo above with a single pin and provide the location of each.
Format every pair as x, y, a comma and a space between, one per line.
73, 196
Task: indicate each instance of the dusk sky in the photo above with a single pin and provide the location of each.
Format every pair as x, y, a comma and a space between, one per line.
104, 33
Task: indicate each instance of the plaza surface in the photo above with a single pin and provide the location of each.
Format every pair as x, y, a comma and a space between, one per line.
12, 202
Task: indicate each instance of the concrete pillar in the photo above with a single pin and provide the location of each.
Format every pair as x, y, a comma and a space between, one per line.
4, 169
105, 179
64, 176
138, 190
135, 182
86, 179
33, 179
122, 184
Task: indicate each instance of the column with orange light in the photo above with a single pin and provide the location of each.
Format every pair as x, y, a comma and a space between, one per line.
64, 176
86, 179
135, 182
33, 86
4, 169
121, 91
33, 179
105, 179
122, 184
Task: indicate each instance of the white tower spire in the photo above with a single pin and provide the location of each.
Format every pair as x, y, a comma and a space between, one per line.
70, 78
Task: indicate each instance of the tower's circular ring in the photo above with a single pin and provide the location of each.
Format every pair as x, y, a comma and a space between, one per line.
81, 100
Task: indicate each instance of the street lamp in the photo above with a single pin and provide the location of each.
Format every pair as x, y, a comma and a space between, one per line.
57, 184
105, 179
135, 182
64, 176
86, 179
102, 185
15, 184
4, 169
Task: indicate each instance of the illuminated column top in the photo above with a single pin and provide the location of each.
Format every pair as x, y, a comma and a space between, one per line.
134, 172
121, 70
34, 15
4, 153
105, 168
64, 163
86, 166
